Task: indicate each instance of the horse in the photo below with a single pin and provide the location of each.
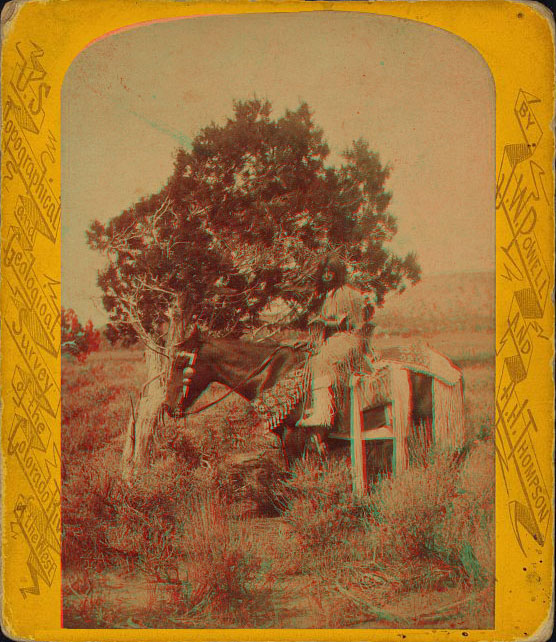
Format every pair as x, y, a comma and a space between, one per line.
249, 368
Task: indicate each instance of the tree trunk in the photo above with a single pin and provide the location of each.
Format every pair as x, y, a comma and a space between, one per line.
143, 420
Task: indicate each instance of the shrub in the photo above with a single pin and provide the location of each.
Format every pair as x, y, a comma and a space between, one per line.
134, 523
317, 501
431, 513
228, 451
256, 481
77, 340
469, 528
223, 566
87, 510
408, 509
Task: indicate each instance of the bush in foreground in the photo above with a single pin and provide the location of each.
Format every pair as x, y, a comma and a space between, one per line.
224, 570
317, 501
428, 532
435, 512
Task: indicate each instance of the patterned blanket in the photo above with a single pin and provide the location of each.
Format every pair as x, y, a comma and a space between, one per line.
275, 404
378, 382
421, 358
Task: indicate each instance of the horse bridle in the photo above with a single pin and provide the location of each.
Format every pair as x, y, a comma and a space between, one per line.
188, 372
186, 375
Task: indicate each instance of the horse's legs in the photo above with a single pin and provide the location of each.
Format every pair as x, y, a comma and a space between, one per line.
315, 442
298, 442
289, 443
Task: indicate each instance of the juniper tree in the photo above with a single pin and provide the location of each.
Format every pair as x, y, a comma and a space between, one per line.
241, 223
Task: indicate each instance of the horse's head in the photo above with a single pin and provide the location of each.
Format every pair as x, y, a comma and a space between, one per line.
186, 376
242, 366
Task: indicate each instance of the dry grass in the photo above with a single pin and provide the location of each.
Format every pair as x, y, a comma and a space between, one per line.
429, 531
317, 502
225, 574
215, 533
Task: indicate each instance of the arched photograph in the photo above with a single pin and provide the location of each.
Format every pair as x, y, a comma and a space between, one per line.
278, 326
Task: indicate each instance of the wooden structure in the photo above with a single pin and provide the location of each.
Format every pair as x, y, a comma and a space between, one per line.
381, 410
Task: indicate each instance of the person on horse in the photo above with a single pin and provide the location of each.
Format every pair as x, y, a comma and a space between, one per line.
341, 334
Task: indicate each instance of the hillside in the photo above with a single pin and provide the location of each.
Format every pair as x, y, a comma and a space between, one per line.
445, 306
441, 302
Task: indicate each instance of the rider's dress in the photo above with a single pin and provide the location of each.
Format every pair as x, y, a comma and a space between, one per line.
341, 337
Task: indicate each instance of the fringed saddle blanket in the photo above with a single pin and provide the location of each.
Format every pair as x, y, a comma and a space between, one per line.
423, 359
334, 361
416, 357
275, 404
386, 380
378, 385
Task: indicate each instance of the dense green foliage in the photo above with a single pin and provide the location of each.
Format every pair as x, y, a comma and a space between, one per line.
242, 222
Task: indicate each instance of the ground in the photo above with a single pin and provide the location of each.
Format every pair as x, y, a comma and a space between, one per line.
216, 533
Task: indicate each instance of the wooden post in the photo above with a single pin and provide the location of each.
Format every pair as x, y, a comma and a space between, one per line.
358, 463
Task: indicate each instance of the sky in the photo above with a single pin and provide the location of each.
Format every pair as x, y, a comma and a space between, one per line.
423, 98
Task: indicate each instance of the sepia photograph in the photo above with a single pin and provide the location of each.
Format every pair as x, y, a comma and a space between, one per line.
278, 326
